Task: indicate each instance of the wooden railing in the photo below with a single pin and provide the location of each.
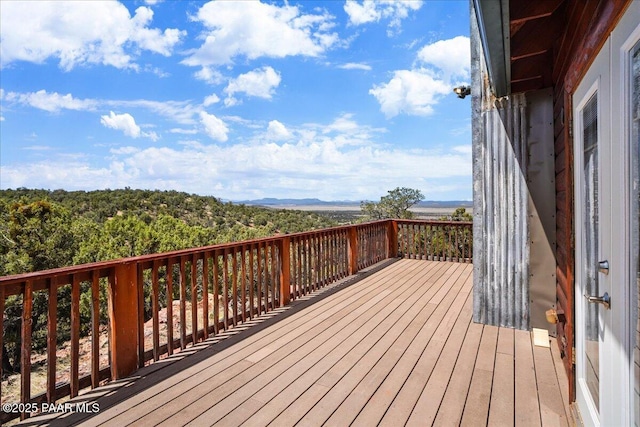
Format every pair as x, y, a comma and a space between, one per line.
119, 315
436, 240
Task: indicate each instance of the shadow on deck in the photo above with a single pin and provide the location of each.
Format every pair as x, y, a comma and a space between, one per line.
393, 345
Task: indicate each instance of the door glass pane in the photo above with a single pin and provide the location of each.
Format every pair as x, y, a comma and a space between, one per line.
591, 223
635, 215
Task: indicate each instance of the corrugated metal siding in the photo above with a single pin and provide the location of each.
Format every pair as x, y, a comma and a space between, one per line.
501, 229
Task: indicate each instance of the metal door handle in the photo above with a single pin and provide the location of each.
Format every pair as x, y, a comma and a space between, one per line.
604, 300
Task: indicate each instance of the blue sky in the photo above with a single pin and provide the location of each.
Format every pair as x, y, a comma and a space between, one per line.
338, 100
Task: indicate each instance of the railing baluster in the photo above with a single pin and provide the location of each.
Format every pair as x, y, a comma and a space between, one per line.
183, 304
243, 282
75, 335
216, 293
155, 309
310, 265
170, 307
225, 289
293, 263
95, 329
234, 285
259, 280
251, 283
194, 299
205, 294
52, 338
25, 350
274, 267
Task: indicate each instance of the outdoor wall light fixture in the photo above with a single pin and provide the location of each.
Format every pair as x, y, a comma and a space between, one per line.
462, 91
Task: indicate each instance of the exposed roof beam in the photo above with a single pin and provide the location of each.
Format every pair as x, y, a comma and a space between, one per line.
521, 12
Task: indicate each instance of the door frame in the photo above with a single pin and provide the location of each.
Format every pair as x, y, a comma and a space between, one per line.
616, 353
595, 81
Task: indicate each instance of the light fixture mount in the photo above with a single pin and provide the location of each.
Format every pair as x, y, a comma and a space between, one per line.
462, 91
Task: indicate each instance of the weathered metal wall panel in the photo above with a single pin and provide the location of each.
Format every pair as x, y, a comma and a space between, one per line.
514, 202
501, 208
542, 207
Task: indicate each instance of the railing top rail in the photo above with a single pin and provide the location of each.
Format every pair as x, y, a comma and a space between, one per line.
105, 265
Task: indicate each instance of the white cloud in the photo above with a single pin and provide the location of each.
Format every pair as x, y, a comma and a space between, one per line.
260, 83
343, 124
214, 127
318, 166
276, 131
79, 33
255, 29
413, 92
124, 122
182, 112
369, 11
452, 57
52, 102
310, 162
441, 65
355, 66
362, 13
209, 75
183, 131
124, 150
38, 148
127, 124
210, 100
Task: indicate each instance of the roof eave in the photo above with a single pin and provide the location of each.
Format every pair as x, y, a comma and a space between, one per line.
493, 25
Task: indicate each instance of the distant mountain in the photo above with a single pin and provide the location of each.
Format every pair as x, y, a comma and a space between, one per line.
271, 201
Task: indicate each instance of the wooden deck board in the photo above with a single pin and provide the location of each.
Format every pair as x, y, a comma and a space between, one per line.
476, 409
527, 407
395, 348
551, 407
501, 411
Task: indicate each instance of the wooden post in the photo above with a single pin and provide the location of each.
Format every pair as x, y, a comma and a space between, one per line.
285, 272
123, 316
392, 239
353, 250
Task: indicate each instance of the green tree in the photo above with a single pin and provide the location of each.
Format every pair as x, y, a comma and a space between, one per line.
395, 204
460, 214
35, 236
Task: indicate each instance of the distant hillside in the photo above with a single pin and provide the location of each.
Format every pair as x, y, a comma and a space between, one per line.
446, 204
41, 229
355, 204
270, 201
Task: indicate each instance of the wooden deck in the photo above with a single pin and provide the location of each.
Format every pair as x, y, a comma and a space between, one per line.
397, 347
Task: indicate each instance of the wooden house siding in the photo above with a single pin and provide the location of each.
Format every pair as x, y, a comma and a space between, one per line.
587, 26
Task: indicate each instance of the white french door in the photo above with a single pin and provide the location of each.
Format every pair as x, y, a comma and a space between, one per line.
606, 224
